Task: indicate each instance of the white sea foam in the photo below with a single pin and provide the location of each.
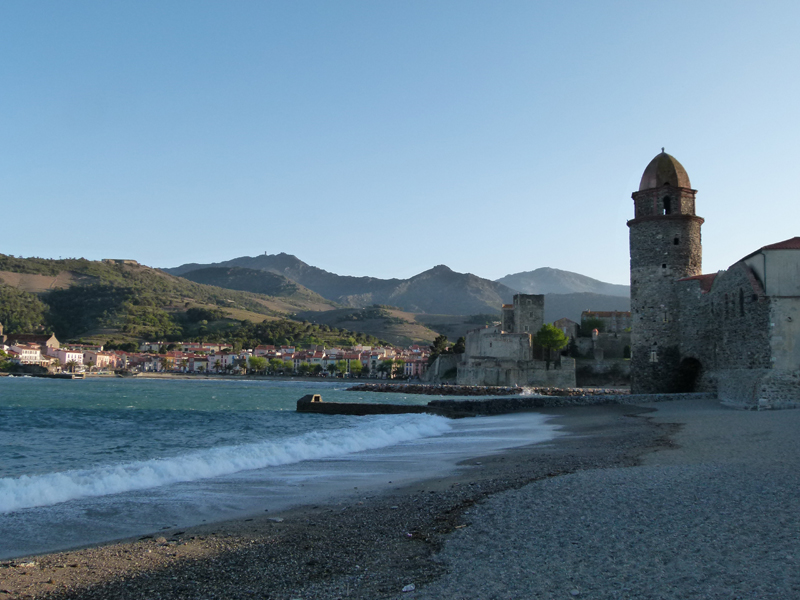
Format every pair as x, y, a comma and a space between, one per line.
44, 490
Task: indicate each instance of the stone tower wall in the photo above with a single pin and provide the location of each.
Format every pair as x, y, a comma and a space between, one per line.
528, 313
508, 318
665, 245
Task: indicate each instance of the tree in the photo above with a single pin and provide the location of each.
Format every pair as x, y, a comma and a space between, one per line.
341, 366
89, 365
71, 366
398, 367
365, 370
318, 369
304, 369
288, 366
275, 365
258, 364
356, 368
387, 366
460, 346
332, 369
550, 338
439, 346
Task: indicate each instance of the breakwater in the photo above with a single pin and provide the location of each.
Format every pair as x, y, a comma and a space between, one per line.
480, 390
499, 406
312, 403
490, 406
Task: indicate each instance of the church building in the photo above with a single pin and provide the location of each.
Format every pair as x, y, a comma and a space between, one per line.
735, 333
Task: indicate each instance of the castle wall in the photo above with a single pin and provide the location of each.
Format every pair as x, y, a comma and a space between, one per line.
491, 342
495, 372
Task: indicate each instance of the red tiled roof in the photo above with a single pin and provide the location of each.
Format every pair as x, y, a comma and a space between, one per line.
790, 244
706, 281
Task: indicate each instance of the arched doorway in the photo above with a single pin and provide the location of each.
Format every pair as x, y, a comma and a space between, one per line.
688, 375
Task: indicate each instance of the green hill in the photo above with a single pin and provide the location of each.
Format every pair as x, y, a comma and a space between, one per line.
78, 298
260, 282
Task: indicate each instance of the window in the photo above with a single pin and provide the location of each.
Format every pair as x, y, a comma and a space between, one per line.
676, 241
526, 328
653, 356
667, 205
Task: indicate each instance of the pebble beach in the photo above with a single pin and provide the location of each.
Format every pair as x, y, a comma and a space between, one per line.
680, 499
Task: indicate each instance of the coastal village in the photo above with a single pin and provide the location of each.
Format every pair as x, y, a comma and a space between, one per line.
44, 350
383, 362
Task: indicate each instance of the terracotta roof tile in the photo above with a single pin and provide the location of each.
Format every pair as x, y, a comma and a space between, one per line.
706, 281
790, 244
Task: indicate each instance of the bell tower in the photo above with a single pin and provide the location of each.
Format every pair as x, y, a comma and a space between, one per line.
665, 246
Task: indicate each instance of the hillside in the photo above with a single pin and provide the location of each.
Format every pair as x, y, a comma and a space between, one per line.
388, 323
571, 306
260, 282
438, 290
326, 284
556, 281
105, 300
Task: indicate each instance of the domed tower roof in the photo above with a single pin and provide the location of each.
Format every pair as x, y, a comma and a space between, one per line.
664, 170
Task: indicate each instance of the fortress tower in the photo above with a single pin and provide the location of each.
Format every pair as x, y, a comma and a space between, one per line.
665, 246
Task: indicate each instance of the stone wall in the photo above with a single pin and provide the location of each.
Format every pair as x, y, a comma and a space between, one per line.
492, 342
663, 249
442, 364
491, 406
493, 372
759, 389
528, 313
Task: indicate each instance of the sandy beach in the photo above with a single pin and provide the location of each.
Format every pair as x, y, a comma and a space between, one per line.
674, 500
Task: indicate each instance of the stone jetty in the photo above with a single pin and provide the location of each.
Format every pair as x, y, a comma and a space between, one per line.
312, 403
481, 390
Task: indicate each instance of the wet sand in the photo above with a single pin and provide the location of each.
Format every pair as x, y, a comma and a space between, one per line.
370, 546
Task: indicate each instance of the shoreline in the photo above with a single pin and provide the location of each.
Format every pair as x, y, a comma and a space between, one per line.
357, 547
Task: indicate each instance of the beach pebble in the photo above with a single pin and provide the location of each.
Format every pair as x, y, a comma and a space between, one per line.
409, 588
276, 519
575, 593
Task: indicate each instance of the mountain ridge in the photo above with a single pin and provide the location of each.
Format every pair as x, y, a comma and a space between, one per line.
547, 280
438, 290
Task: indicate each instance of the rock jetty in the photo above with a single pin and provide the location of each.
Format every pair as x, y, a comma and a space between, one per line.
312, 403
481, 390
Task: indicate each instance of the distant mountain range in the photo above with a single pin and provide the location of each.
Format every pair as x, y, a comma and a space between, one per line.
554, 281
439, 290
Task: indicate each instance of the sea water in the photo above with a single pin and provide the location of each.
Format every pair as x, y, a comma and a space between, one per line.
87, 461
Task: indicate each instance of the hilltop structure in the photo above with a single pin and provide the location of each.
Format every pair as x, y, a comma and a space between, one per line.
734, 332
505, 355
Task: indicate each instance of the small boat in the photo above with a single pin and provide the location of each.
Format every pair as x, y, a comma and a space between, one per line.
126, 373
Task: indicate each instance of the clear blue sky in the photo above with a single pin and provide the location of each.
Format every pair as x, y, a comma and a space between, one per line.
383, 138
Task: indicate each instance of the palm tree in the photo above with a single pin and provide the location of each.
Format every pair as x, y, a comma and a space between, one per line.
71, 366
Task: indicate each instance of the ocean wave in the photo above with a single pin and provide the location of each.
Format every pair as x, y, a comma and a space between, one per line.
52, 488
